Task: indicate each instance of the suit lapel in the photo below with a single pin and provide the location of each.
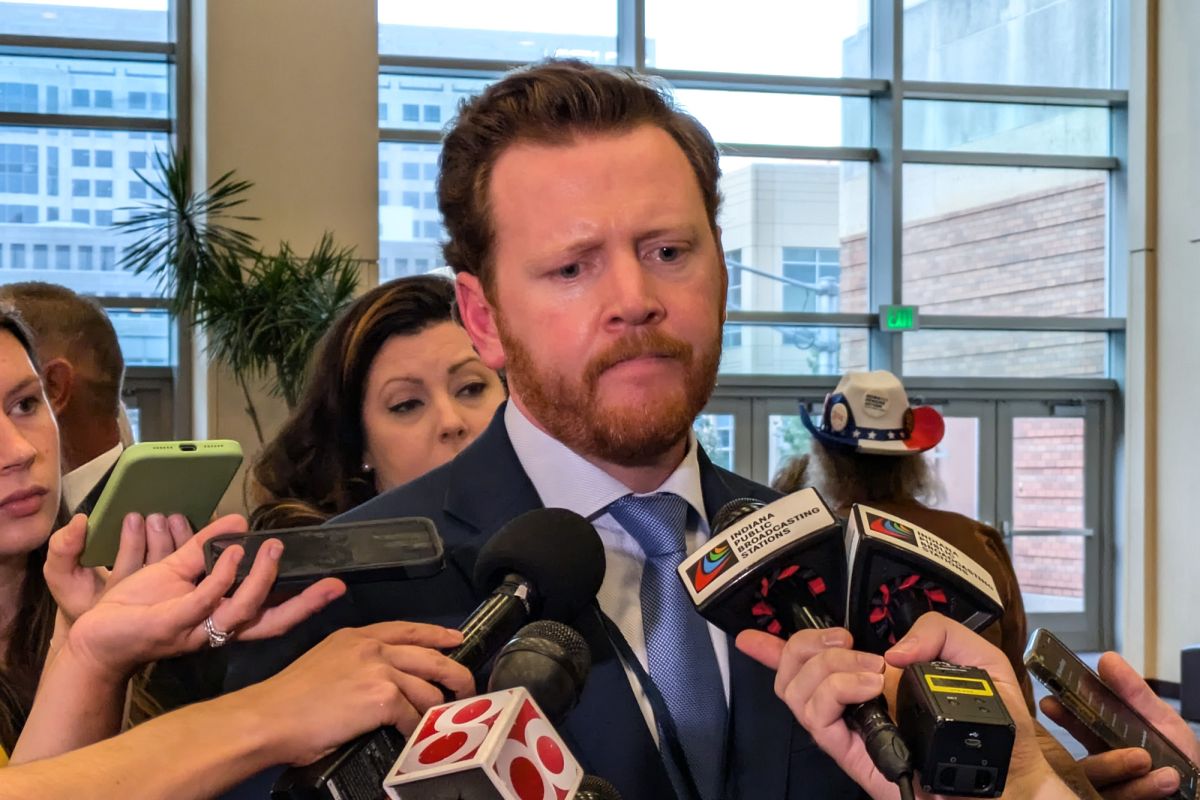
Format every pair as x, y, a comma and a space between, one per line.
760, 724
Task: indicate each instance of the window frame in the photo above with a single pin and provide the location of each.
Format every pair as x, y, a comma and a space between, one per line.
173, 384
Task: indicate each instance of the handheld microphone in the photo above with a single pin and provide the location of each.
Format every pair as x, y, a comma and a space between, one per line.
497, 745
546, 562
549, 659
899, 571
593, 788
781, 567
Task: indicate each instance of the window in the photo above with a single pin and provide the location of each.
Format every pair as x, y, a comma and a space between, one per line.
85, 257
429, 172
81, 158
429, 200
733, 298
18, 214
51, 214
383, 197
432, 230
812, 275
19, 168
410, 112
108, 258
81, 188
433, 113
19, 97
137, 190
41, 256
104, 158
383, 111
103, 98
81, 98
137, 159
104, 189
17, 253
410, 199
62, 256
104, 218
82, 216
138, 101
383, 170
158, 101
410, 171
52, 171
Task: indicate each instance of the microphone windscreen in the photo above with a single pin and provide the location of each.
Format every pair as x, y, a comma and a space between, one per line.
549, 659
733, 511
556, 550
593, 788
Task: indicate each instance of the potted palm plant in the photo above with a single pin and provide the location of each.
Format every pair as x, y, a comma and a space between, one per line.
262, 312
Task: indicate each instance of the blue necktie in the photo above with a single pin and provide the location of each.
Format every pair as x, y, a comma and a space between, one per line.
678, 646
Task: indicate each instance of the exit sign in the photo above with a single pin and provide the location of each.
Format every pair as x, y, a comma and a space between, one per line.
899, 318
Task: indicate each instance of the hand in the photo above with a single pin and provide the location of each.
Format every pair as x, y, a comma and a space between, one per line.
77, 588
159, 610
817, 676
1125, 774
354, 681
937, 637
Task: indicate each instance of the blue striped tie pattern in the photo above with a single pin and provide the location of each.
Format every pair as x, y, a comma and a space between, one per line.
678, 646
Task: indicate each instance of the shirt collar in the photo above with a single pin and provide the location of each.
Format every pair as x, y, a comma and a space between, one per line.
79, 482
565, 479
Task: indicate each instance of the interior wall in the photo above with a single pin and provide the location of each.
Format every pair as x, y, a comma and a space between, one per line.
1176, 588
284, 92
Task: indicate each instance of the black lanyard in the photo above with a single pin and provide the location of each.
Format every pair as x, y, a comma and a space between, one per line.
670, 746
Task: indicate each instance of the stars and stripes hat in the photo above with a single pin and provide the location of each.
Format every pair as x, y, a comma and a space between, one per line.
869, 412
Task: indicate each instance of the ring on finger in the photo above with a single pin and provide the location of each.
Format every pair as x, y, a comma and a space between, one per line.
216, 636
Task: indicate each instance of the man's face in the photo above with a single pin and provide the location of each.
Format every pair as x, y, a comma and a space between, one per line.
608, 292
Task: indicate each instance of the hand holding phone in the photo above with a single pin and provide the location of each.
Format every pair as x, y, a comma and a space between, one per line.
1111, 712
166, 478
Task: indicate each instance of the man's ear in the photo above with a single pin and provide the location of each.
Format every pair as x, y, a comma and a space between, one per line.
724, 275
58, 376
479, 318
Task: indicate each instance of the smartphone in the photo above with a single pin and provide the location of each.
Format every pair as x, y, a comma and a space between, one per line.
357, 552
186, 478
1102, 712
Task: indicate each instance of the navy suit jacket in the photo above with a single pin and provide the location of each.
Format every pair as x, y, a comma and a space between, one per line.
469, 499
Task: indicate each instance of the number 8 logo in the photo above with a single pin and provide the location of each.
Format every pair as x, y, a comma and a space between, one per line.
533, 763
454, 734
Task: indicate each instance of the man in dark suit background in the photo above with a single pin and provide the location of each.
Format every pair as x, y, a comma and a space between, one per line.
581, 208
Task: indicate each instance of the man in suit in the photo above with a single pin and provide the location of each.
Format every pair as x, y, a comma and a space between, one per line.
581, 208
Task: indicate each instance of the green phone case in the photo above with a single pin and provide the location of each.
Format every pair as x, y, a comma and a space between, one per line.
160, 477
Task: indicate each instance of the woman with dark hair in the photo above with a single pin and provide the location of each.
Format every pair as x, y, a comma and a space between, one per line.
395, 389
29, 508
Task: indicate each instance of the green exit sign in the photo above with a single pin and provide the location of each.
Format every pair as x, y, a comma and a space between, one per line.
899, 318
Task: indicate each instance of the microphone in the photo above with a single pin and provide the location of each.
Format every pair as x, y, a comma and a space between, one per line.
497, 745
593, 788
549, 659
546, 562
900, 571
781, 567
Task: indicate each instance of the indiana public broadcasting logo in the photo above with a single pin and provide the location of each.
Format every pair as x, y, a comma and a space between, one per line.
715, 562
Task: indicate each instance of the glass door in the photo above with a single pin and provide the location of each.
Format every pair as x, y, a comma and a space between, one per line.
1048, 492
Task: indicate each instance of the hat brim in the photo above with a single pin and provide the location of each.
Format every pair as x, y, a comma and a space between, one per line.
928, 430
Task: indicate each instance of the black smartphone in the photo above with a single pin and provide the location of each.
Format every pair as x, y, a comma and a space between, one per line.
1101, 711
357, 552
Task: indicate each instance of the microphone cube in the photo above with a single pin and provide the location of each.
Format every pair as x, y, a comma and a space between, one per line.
775, 569
498, 745
899, 571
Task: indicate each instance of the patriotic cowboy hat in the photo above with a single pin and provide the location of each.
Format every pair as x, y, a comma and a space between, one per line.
869, 412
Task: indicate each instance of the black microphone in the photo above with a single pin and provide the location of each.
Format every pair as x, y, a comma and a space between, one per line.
593, 788
781, 567
548, 562
549, 659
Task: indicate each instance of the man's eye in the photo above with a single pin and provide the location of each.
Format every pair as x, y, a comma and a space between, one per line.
669, 253
569, 271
